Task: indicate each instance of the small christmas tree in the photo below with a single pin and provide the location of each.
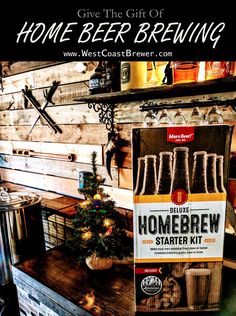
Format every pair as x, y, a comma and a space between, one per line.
99, 229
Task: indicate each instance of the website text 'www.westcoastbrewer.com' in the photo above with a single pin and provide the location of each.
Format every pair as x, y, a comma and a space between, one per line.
124, 53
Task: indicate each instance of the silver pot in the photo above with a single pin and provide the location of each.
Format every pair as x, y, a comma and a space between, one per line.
21, 230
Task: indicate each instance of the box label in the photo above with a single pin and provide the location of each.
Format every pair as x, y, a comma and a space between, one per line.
179, 176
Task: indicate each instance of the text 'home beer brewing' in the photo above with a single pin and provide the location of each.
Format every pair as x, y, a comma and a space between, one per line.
179, 177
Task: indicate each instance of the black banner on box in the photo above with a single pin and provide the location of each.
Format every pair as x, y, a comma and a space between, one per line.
66, 32
180, 175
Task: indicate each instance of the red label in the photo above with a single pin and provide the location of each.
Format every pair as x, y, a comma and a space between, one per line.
179, 197
148, 270
180, 135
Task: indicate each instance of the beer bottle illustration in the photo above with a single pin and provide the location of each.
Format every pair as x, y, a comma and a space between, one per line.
211, 174
199, 176
220, 173
140, 176
180, 178
150, 175
164, 172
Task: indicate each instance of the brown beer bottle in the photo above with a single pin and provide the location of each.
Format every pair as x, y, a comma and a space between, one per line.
150, 175
180, 178
164, 172
220, 173
98, 81
140, 176
199, 176
112, 76
211, 174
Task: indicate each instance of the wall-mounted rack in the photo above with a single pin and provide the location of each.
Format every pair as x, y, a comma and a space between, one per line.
104, 103
155, 107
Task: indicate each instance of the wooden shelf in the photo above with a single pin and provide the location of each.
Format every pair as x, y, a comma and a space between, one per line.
207, 86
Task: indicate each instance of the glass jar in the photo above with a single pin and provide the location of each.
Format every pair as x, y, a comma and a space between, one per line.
185, 71
133, 75
217, 69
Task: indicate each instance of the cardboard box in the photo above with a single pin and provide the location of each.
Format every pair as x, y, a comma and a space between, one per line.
179, 177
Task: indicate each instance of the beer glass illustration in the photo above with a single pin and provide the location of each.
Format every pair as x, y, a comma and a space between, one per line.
211, 174
140, 176
179, 118
196, 118
180, 178
164, 172
220, 173
197, 286
215, 116
199, 176
150, 175
164, 119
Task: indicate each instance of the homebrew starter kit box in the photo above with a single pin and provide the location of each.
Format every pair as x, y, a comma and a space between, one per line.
179, 178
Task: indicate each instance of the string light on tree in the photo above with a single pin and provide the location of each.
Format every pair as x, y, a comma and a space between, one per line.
87, 235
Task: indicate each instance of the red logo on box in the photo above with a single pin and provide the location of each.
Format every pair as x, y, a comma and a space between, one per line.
179, 197
180, 135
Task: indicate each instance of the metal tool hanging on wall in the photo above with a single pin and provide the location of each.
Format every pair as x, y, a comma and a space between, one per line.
111, 148
41, 109
105, 112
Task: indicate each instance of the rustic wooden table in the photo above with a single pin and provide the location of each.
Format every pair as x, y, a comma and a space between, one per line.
108, 292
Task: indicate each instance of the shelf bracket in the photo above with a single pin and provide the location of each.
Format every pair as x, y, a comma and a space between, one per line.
105, 113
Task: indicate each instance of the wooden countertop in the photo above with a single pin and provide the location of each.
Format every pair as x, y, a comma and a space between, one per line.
108, 292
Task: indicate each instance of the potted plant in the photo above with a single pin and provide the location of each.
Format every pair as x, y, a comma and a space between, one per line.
100, 234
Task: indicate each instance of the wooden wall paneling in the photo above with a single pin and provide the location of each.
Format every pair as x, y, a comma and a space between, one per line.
12, 187
128, 112
123, 158
82, 152
75, 133
125, 178
122, 197
55, 167
70, 133
6, 100
42, 78
70, 114
23, 66
65, 94
82, 134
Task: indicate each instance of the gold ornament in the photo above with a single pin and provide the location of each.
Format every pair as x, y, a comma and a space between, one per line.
97, 197
108, 222
87, 235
